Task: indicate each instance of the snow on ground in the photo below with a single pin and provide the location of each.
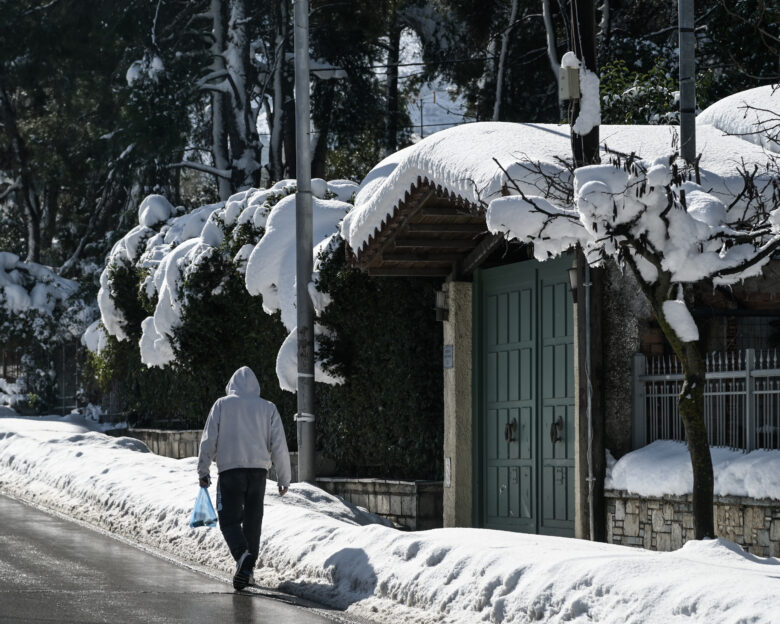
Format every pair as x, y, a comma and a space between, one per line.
664, 467
317, 546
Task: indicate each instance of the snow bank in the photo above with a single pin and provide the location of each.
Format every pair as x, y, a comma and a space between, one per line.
751, 115
664, 467
316, 546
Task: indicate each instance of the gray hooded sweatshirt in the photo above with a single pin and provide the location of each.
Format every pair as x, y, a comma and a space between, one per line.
244, 431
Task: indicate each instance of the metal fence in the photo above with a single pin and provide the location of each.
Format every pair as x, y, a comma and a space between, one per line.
741, 399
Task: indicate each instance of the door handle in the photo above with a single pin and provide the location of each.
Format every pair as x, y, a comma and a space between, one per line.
509, 431
556, 430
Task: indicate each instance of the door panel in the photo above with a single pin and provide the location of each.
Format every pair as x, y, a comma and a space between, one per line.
508, 379
525, 374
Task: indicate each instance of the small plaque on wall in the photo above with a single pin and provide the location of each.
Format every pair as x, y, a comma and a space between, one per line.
448, 356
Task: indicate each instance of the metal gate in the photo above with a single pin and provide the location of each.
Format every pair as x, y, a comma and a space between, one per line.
524, 376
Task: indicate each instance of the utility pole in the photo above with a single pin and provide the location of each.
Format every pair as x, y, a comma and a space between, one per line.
687, 80
303, 247
585, 148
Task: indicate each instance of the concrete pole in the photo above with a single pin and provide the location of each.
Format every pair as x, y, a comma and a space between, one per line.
687, 80
304, 246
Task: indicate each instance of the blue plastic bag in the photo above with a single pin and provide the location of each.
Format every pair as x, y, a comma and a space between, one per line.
203, 514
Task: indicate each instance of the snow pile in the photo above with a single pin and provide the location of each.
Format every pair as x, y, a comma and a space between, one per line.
664, 467
590, 100
751, 115
169, 245
462, 161
316, 546
30, 286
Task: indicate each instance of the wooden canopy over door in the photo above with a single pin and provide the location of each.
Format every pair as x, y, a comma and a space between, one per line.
431, 233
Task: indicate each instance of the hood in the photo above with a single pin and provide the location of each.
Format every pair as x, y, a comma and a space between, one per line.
243, 383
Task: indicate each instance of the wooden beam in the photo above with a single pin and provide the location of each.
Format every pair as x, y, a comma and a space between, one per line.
411, 272
445, 211
390, 256
435, 243
425, 194
476, 228
487, 246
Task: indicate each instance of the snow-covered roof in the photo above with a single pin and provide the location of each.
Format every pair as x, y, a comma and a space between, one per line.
752, 115
462, 161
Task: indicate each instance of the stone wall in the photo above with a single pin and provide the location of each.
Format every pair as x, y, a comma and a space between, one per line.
413, 505
666, 524
176, 444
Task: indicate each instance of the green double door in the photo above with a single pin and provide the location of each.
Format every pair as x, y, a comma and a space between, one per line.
524, 373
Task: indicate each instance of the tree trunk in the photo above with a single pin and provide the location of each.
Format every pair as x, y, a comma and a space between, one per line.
219, 142
277, 119
289, 136
320, 148
244, 140
692, 414
25, 195
394, 53
502, 62
691, 406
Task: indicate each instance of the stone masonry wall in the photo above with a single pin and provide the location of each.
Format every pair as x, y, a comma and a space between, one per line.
666, 524
413, 505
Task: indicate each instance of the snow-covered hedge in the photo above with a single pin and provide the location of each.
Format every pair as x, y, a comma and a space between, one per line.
188, 297
39, 311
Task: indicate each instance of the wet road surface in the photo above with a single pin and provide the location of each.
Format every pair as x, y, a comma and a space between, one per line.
53, 570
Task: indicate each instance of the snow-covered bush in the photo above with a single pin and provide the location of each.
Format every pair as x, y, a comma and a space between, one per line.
186, 298
39, 312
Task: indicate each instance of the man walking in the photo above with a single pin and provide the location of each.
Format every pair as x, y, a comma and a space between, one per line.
244, 434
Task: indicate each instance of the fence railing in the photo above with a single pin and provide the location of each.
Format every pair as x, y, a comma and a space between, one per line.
741, 399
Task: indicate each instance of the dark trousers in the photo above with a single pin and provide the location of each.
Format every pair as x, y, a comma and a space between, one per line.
240, 494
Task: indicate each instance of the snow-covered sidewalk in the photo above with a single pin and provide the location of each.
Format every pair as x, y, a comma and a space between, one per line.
317, 546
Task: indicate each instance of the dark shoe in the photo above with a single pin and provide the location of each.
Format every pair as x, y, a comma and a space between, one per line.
243, 575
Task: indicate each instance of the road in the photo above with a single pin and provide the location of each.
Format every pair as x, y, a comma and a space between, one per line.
54, 570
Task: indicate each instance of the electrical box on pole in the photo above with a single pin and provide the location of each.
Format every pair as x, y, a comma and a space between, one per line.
568, 84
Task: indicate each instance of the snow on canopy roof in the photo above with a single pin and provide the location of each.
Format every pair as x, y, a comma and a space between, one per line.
461, 161
751, 114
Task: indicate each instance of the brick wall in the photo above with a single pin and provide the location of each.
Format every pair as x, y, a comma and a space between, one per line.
667, 523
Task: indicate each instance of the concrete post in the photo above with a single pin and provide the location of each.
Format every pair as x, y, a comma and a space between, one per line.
458, 432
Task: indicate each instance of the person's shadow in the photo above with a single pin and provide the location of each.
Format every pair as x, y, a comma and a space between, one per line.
352, 579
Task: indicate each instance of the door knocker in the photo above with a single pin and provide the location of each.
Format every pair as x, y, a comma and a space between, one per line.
509, 431
556, 430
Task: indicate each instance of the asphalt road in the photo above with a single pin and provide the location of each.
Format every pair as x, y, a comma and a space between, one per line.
53, 570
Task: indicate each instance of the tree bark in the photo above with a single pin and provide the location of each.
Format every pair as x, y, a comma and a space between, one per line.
278, 114
244, 140
502, 62
320, 148
25, 194
219, 142
394, 54
691, 406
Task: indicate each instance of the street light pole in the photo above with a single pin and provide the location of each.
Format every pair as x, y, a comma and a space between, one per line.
304, 246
